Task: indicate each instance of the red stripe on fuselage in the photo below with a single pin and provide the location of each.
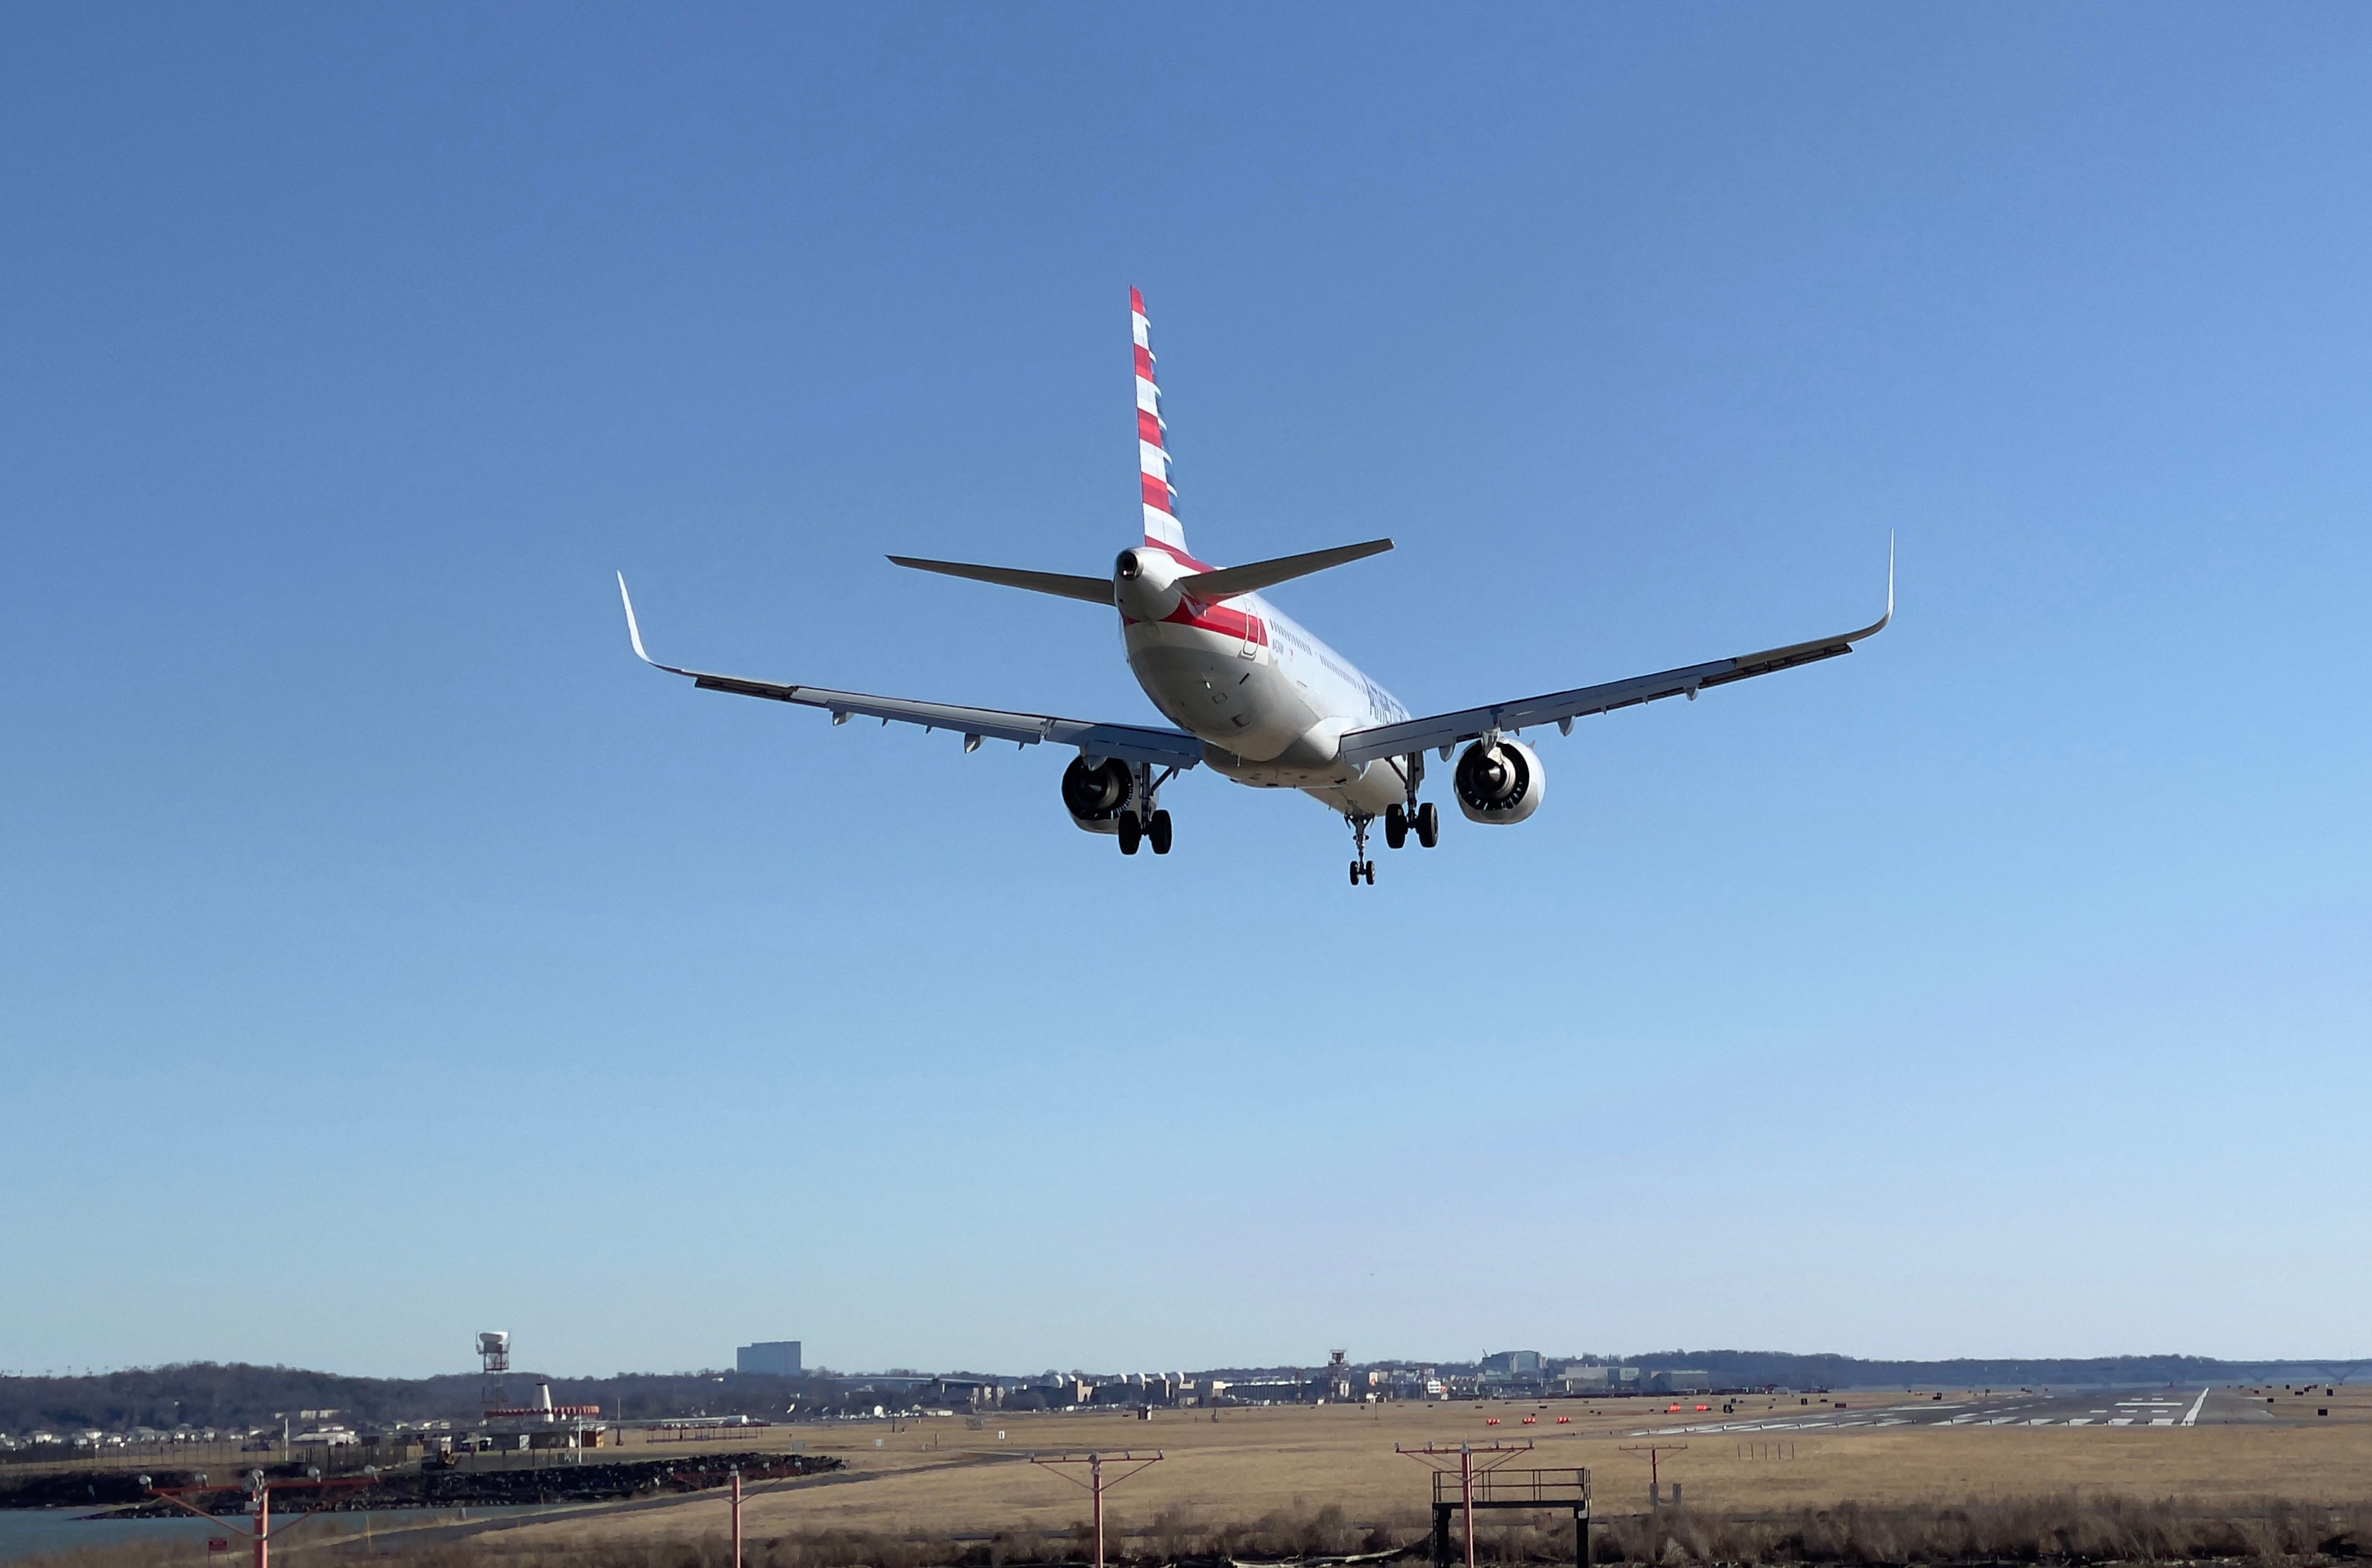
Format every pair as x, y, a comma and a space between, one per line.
1222, 620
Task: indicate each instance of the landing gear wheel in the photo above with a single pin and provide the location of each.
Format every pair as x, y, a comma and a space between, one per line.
1158, 831
1428, 825
1130, 833
1360, 864
1396, 826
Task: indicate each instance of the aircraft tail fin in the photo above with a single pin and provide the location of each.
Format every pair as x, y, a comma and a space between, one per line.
1161, 525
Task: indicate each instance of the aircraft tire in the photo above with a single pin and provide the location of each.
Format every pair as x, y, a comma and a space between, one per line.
1396, 826
1158, 831
1428, 825
1131, 832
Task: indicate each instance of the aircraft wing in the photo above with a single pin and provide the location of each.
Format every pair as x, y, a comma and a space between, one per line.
1130, 743
1443, 731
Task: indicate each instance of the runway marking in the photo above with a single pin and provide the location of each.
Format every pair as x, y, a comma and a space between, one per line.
2121, 1421
2039, 1421
2079, 1421
2192, 1418
2161, 1421
1893, 1421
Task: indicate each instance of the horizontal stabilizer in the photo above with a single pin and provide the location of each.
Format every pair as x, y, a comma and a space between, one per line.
1229, 581
1094, 590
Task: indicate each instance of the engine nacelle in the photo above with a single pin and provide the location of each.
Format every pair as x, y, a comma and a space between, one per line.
1499, 783
1096, 797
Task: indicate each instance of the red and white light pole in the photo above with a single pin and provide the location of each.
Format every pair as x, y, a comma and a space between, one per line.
259, 1492
1467, 1470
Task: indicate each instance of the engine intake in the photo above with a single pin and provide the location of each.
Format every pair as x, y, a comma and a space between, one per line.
1498, 784
1096, 797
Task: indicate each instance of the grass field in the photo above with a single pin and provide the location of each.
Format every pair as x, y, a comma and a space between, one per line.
942, 1478
2268, 1481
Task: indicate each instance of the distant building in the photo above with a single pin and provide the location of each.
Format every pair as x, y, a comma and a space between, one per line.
772, 1358
1513, 1364
1680, 1380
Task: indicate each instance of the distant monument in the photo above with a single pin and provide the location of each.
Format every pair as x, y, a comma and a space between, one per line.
774, 1358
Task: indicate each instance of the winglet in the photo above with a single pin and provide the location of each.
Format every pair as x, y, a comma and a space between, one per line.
633, 632
1879, 624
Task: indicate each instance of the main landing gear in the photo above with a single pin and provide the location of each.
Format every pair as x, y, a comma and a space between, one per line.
1143, 821
1135, 830
1398, 819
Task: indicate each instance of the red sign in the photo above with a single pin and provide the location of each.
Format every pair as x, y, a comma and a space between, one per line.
217, 1543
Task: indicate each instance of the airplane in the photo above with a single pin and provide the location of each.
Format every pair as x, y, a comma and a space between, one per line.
1254, 696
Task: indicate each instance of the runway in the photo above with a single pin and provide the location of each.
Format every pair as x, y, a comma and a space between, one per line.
2101, 1408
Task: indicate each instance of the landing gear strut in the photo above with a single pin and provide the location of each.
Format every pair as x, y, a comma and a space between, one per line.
1362, 868
1143, 821
1398, 819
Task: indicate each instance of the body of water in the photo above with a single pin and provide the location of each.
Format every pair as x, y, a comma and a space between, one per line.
37, 1532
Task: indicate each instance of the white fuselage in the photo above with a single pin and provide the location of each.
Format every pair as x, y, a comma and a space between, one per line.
1269, 700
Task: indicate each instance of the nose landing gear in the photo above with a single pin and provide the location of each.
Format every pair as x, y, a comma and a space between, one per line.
1362, 868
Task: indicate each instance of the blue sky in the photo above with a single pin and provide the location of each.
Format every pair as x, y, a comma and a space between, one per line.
1998, 990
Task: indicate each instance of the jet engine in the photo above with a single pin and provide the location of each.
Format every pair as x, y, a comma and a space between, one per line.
1498, 784
1096, 797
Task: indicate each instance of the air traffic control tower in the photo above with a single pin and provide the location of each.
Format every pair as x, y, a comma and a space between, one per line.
774, 1358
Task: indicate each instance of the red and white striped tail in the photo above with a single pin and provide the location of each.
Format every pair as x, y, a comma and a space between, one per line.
1152, 452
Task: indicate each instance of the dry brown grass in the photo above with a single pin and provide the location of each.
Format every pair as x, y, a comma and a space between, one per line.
1286, 1481
2049, 1530
942, 1478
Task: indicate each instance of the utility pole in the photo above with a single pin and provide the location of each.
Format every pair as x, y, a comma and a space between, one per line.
737, 1517
1095, 1484
1653, 1451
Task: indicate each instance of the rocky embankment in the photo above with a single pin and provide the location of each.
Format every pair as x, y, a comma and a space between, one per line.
122, 1497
